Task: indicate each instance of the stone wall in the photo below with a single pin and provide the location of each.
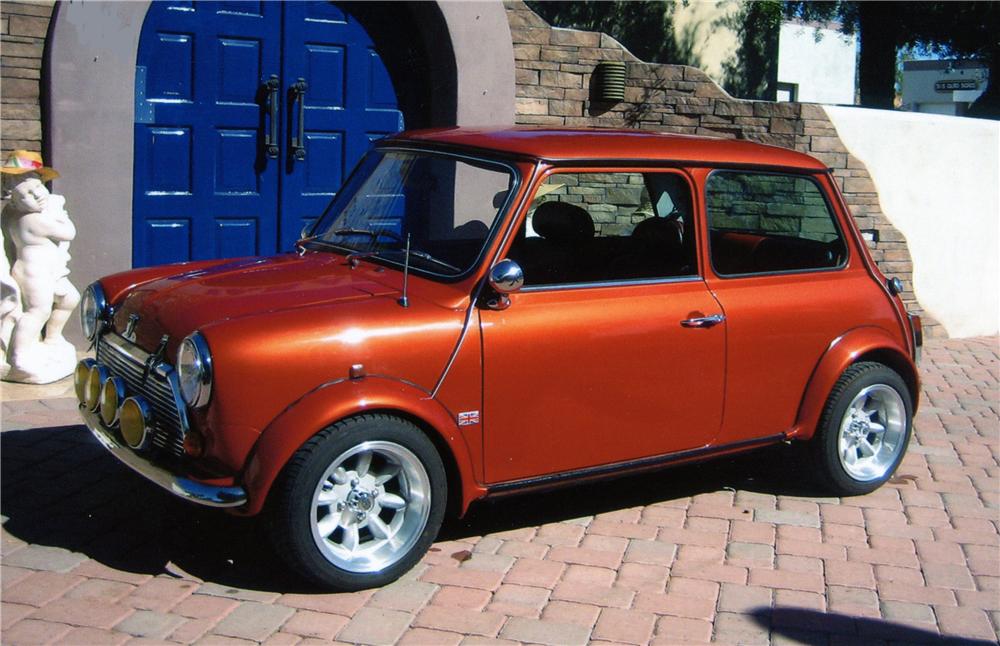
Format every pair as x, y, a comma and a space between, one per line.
553, 68
23, 26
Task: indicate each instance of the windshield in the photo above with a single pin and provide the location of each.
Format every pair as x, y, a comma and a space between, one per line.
445, 205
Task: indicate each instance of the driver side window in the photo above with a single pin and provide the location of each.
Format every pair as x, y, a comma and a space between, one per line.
601, 227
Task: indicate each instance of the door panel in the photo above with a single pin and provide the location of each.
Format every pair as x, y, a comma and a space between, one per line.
331, 51
575, 378
203, 187
198, 125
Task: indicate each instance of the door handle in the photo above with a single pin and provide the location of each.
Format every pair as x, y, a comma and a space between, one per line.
704, 321
271, 132
299, 143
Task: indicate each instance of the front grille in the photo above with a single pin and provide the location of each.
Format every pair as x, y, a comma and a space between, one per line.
123, 359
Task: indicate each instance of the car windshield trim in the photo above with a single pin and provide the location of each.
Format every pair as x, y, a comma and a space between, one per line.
382, 256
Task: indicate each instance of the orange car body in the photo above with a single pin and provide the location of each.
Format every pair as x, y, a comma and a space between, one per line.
564, 384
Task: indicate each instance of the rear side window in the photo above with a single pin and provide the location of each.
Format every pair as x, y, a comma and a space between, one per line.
764, 223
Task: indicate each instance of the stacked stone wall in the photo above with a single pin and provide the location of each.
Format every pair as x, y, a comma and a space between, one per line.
23, 27
553, 69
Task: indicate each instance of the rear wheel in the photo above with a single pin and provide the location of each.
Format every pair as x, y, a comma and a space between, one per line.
360, 503
864, 429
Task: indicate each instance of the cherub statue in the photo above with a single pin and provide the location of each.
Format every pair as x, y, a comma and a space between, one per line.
37, 232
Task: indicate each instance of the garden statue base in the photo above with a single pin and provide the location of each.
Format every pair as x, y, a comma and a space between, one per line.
48, 362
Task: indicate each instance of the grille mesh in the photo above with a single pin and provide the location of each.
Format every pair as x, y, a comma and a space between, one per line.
167, 431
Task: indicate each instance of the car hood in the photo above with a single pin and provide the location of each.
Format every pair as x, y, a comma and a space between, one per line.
184, 302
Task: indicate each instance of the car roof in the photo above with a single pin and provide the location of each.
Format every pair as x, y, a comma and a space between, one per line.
580, 144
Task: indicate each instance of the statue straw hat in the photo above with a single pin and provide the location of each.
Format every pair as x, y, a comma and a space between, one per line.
25, 161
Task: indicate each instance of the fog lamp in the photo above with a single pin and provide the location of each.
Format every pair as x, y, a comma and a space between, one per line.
95, 381
80, 376
112, 394
134, 419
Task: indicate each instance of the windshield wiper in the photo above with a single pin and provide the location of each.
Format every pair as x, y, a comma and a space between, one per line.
371, 233
423, 255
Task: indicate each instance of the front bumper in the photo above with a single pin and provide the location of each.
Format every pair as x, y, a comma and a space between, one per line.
192, 490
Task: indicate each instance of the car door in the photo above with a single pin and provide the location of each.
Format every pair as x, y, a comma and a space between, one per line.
613, 350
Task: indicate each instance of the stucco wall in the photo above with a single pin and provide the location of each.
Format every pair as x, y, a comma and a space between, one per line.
939, 183
823, 69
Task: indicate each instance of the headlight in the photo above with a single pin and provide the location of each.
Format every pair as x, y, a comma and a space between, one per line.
194, 370
93, 307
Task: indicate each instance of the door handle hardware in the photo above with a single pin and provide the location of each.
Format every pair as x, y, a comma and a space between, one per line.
271, 132
704, 321
299, 143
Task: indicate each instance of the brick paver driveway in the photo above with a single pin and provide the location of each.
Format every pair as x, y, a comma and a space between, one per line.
739, 551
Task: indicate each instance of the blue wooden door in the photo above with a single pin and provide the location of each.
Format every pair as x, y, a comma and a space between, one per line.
205, 185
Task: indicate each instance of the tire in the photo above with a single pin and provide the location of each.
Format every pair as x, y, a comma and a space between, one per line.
359, 504
864, 429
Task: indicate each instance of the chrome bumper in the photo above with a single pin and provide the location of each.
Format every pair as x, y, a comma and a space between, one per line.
197, 492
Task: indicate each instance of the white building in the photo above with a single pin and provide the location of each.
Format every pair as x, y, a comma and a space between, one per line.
942, 87
816, 63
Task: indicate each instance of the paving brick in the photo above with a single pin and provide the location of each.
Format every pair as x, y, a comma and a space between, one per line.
192, 630
97, 570
908, 613
319, 625
82, 612
682, 536
677, 630
750, 532
971, 623
92, 637
460, 620
541, 631
719, 573
201, 606
846, 573
743, 598
624, 530
462, 577
149, 624
675, 604
33, 631
742, 629
893, 574
750, 554
573, 613
651, 552
857, 602
375, 626
255, 621
786, 579
916, 594
640, 576
11, 613
945, 575
985, 599
624, 626
451, 596
340, 604
43, 557
584, 556
777, 517
609, 597
562, 534
425, 637
521, 549
535, 572
39, 588
101, 590
159, 594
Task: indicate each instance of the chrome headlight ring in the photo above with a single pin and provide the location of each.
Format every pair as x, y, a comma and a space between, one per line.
194, 370
93, 310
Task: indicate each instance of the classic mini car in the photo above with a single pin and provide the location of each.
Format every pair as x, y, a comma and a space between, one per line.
481, 312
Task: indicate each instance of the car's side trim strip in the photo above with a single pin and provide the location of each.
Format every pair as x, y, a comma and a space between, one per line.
625, 468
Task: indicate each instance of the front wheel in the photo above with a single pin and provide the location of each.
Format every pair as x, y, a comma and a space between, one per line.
864, 429
360, 503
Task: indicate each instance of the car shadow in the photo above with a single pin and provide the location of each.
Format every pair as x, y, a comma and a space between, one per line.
59, 488
813, 628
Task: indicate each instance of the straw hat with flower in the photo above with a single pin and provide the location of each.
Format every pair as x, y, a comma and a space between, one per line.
25, 161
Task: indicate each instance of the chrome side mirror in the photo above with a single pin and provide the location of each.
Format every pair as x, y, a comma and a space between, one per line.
506, 277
